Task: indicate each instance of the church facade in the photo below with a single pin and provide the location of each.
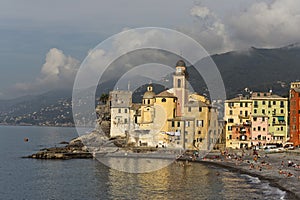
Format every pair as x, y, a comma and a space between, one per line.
174, 118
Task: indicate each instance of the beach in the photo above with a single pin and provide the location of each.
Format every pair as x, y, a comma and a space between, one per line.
282, 169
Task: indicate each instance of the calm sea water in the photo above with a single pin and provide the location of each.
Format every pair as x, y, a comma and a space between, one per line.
89, 179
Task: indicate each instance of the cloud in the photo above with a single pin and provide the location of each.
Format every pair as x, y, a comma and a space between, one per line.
58, 72
199, 11
264, 24
209, 30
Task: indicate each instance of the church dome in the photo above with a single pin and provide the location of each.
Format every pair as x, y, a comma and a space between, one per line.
149, 95
180, 63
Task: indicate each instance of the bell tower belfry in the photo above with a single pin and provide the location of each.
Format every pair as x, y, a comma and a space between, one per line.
179, 86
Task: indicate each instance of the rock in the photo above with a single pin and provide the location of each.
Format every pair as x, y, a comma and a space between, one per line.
64, 142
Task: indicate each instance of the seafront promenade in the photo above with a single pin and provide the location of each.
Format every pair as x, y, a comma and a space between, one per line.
281, 169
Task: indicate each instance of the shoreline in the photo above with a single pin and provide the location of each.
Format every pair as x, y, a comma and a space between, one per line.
234, 169
270, 170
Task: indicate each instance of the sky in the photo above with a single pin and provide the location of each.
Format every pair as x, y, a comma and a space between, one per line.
43, 43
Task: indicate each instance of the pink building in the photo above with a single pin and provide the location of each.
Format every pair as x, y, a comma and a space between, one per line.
260, 135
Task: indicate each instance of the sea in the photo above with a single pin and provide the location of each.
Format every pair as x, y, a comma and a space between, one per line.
87, 179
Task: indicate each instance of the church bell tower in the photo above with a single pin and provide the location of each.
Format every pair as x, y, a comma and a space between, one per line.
179, 86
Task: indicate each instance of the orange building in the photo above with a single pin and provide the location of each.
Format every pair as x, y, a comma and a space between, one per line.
294, 116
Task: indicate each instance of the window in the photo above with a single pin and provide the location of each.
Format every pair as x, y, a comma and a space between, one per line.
119, 111
255, 119
274, 102
255, 104
281, 111
178, 124
281, 128
230, 120
263, 111
163, 100
200, 109
230, 128
263, 119
199, 132
258, 128
269, 104
178, 83
125, 110
230, 137
246, 104
263, 103
189, 109
246, 113
241, 112
255, 111
231, 104
148, 101
264, 129
200, 123
241, 104
230, 112
173, 123
281, 104
125, 121
187, 124
254, 129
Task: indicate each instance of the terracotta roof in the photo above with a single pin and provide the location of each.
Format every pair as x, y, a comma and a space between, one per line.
165, 94
196, 104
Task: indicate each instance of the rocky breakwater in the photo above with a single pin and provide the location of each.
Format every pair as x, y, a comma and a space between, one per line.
80, 147
75, 149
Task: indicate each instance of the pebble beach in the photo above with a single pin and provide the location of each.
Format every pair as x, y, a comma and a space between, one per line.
281, 169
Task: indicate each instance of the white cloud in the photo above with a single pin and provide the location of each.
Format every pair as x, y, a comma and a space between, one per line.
209, 30
267, 24
58, 72
199, 11
262, 24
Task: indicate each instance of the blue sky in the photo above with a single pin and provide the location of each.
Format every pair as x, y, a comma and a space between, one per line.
35, 33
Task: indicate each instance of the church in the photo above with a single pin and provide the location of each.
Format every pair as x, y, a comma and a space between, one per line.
174, 118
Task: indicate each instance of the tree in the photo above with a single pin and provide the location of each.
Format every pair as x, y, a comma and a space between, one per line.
104, 98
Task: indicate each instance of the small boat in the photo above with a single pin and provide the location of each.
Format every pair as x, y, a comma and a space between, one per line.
26, 139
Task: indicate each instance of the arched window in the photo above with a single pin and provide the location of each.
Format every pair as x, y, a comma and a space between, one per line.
179, 83
163, 100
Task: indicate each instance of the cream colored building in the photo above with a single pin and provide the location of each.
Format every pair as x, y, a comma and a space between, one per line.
172, 118
120, 112
237, 113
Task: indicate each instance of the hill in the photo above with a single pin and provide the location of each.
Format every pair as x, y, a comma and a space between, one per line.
254, 68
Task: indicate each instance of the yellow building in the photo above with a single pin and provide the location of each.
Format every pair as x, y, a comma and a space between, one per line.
174, 118
257, 119
237, 114
275, 108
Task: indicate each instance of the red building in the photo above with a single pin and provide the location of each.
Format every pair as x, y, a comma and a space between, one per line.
294, 116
